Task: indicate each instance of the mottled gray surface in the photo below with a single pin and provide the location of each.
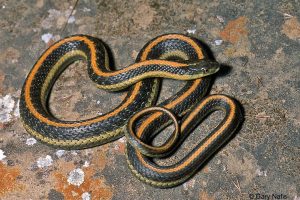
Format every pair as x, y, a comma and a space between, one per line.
259, 40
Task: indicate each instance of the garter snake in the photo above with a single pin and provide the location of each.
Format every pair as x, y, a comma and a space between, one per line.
173, 56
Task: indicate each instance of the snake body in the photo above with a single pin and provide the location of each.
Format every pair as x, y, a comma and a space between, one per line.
173, 56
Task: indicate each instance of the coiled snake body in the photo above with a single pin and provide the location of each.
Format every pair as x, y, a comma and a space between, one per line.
173, 56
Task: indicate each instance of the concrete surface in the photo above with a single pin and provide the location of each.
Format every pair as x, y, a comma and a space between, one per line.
260, 40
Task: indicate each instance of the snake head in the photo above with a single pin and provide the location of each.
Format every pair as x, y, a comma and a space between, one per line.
202, 67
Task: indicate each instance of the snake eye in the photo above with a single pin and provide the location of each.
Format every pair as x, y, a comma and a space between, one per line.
204, 70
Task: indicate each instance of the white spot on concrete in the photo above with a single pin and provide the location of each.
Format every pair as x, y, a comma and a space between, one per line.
117, 144
86, 164
74, 194
88, 151
56, 37
57, 18
76, 177
204, 183
224, 168
192, 30
287, 16
44, 161
220, 18
14, 61
53, 16
98, 102
3, 6
260, 172
60, 153
117, 147
2, 156
47, 37
71, 19
7, 104
189, 185
122, 140
86, 9
30, 141
74, 153
17, 109
249, 92
218, 42
86, 196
